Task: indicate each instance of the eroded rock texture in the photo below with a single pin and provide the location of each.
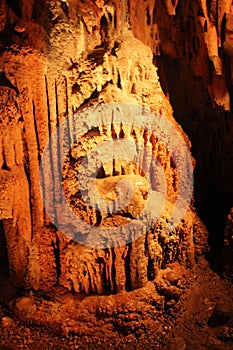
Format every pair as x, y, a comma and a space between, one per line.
59, 57
195, 71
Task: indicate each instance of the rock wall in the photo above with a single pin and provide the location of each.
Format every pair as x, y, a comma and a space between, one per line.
58, 57
195, 71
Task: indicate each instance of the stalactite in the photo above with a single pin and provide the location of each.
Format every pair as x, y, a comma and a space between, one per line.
108, 64
18, 252
37, 207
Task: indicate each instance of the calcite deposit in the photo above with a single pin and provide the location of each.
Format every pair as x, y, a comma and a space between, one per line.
60, 59
55, 62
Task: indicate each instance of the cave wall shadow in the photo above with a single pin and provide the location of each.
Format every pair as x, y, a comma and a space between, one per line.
210, 131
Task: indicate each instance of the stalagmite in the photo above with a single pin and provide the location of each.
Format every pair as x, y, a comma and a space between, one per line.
98, 100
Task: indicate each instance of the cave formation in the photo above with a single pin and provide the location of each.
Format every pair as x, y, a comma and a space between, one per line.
147, 86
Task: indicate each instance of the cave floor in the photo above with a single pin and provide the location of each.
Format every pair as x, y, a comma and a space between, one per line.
197, 326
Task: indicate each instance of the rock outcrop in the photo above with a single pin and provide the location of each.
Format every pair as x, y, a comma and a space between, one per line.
62, 58
55, 62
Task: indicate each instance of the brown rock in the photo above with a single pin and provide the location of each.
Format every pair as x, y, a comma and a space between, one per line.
7, 322
222, 313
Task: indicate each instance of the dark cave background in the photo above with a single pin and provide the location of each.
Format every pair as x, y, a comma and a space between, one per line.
210, 130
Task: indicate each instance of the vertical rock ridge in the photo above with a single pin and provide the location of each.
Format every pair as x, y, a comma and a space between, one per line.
99, 61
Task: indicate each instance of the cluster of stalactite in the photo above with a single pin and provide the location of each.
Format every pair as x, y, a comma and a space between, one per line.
55, 61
